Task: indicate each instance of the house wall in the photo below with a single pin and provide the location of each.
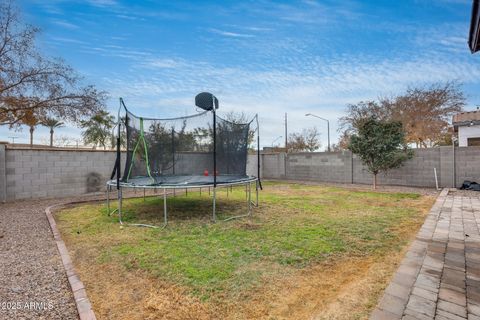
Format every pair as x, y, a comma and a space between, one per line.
465, 132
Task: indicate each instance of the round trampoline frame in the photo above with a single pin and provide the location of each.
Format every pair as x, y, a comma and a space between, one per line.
158, 182
247, 181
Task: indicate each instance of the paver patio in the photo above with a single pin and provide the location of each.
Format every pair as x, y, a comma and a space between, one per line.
439, 277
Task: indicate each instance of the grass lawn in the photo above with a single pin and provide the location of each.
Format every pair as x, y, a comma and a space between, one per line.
307, 251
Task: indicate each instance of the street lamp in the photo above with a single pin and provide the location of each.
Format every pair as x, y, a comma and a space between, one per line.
13, 139
328, 127
276, 139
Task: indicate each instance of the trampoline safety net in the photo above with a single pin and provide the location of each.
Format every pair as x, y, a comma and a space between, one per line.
181, 151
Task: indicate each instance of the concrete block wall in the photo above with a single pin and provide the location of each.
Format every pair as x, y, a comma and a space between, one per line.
417, 172
3, 178
447, 163
252, 169
344, 167
32, 173
467, 163
47, 173
273, 165
329, 167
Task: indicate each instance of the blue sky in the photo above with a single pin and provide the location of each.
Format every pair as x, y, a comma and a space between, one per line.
261, 56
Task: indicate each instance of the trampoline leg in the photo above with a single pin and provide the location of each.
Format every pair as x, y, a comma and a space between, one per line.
249, 198
248, 194
108, 199
120, 205
214, 204
256, 190
164, 208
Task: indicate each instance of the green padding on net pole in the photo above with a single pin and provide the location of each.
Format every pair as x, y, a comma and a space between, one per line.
142, 137
146, 149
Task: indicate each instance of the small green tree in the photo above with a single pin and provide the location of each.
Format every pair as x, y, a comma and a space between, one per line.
98, 129
52, 124
381, 145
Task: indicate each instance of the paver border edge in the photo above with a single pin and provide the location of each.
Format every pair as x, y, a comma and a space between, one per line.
84, 307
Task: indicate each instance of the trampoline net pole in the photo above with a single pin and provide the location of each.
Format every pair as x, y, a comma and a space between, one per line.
214, 204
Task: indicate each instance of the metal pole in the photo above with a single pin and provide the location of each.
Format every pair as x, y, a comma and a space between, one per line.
214, 147
108, 199
214, 204
256, 187
286, 132
258, 153
164, 207
454, 182
328, 133
173, 151
120, 205
249, 198
143, 194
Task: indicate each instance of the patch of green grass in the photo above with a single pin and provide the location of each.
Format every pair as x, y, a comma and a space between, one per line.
295, 225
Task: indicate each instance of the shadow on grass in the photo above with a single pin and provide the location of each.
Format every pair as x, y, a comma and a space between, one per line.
181, 208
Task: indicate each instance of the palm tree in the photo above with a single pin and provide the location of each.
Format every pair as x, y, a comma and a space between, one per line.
98, 129
31, 120
52, 124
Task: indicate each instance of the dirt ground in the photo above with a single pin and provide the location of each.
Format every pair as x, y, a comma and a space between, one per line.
341, 289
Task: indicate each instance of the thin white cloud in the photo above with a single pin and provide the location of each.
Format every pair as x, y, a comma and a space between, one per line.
230, 34
64, 24
103, 3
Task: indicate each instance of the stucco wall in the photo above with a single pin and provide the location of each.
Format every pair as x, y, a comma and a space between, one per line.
465, 132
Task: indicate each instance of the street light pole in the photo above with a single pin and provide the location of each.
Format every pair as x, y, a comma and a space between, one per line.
328, 127
13, 139
275, 140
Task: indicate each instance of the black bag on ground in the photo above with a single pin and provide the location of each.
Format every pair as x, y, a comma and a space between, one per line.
470, 185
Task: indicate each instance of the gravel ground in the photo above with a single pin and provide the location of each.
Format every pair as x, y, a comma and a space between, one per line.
31, 271
33, 282
465, 193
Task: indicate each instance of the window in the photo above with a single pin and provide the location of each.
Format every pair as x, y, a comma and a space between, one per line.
473, 142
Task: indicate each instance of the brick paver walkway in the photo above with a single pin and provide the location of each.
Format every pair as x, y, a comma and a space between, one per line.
439, 277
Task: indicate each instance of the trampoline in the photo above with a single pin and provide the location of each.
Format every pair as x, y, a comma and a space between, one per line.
201, 150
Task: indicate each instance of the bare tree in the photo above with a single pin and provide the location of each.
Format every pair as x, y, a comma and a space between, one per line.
32, 84
307, 140
343, 142
356, 114
424, 112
